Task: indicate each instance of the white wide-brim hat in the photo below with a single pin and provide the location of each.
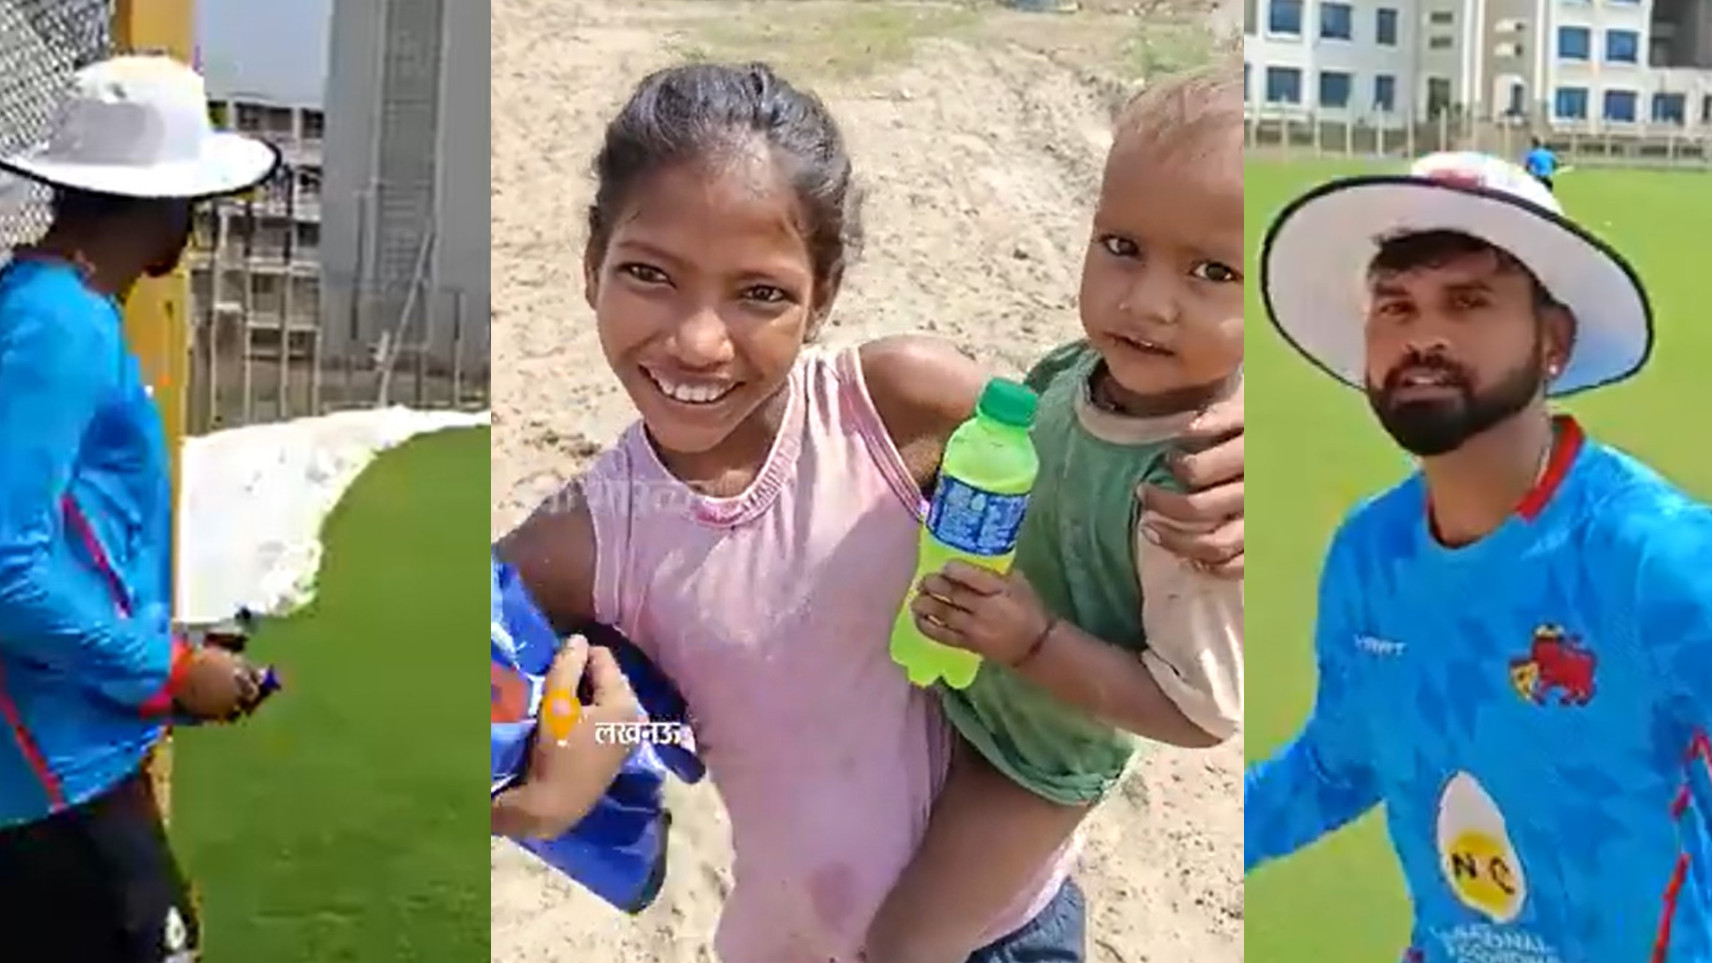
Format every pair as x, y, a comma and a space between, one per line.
1314, 262
137, 126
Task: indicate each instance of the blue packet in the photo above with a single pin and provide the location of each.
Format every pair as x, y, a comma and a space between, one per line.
618, 851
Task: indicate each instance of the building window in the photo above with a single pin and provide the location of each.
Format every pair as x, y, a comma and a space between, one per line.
1334, 89
278, 120
1441, 18
1670, 109
1439, 43
1516, 102
1337, 21
1438, 96
1283, 85
1574, 43
1285, 17
1385, 27
1385, 93
250, 118
1622, 46
1570, 103
1620, 106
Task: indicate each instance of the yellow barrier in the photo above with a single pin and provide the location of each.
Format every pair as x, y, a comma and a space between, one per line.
157, 320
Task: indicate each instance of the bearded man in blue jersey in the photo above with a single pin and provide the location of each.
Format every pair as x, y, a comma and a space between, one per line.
1515, 643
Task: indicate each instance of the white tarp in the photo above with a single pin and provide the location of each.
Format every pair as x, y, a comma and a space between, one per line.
254, 500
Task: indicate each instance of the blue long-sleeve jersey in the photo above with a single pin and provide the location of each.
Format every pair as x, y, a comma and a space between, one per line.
1531, 710
1540, 162
85, 546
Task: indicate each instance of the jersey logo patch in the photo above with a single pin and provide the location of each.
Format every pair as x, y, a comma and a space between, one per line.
1479, 862
1556, 663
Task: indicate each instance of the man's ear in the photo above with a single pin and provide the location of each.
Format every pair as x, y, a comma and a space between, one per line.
1559, 340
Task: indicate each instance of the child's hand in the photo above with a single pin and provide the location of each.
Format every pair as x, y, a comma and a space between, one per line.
570, 768
996, 616
572, 753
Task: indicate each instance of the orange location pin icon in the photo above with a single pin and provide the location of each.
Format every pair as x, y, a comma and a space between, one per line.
560, 711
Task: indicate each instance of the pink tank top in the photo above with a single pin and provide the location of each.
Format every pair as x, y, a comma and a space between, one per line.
771, 611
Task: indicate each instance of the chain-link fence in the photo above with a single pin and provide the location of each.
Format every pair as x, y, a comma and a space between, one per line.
42, 42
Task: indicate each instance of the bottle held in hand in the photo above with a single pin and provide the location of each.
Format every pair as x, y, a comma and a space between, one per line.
985, 479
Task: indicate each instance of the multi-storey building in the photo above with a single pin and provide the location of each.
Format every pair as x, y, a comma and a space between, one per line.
1605, 64
260, 284
1611, 63
1360, 59
257, 260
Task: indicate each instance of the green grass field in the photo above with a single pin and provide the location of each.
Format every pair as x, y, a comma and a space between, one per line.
340, 823
1318, 451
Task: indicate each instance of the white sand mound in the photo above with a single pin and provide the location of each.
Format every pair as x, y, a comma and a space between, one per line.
254, 500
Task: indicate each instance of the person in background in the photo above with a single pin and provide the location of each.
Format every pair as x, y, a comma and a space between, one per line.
1541, 163
91, 673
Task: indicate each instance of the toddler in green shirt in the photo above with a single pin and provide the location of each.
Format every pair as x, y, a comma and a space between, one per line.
1096, 637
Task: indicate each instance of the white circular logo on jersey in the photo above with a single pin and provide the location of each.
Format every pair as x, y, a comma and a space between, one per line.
1475, 854
177, 935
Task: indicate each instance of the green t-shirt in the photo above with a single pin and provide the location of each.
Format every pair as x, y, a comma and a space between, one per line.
1077, 548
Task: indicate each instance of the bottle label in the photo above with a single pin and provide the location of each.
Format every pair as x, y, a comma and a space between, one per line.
975, 520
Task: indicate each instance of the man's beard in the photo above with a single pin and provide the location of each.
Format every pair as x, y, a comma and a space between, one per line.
1439, 426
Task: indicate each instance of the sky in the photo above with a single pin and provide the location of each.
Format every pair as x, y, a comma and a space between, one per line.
273, 50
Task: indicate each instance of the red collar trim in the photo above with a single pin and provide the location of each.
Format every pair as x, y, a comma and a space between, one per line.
1570, 438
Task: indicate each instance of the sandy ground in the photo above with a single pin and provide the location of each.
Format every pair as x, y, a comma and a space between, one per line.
981, 134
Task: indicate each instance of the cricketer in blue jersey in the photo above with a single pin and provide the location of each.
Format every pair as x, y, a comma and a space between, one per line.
1515, 644
90, 671
1541, 163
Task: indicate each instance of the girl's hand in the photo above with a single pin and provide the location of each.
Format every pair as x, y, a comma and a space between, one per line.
1204, 524
566, 750
569, 769
998, 617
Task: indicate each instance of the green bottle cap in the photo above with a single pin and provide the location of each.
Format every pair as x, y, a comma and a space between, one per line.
1008, 403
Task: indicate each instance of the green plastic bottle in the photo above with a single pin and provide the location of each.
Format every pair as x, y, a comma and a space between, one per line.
984, 483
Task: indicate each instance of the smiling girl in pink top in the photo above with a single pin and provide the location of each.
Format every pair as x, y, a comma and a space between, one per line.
756, 531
